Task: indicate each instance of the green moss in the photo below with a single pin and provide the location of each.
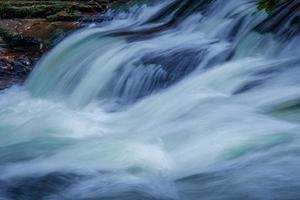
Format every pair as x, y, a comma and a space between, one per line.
44, 8
17, 40
57, 33
269, 5
9, 10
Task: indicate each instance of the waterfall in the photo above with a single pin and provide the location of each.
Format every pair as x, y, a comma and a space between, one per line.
173, 99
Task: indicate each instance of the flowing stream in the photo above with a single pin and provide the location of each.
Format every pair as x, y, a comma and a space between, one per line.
174, 99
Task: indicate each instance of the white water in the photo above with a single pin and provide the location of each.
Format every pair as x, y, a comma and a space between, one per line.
165, 116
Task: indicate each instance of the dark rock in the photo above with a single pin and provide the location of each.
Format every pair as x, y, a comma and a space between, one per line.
30, 28
284, 21
14, 71
18, 40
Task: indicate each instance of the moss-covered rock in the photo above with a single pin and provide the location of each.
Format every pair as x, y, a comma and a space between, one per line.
28, 28
8, 10
18, 40
269, 5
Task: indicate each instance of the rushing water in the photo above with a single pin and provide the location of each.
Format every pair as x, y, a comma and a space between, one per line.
173, 100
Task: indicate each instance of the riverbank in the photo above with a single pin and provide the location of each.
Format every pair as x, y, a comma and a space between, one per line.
28, 28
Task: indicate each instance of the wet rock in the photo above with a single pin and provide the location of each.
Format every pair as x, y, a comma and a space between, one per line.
18, 9
19, 40
14, 71
30, 28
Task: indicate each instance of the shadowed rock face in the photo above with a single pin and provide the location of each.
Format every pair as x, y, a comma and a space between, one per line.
29, 28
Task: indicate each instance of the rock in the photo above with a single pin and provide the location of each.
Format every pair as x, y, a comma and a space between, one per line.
14, 71
19, 40
29, 28
277, 22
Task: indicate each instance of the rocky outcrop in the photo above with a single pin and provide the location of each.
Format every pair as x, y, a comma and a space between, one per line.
28, 28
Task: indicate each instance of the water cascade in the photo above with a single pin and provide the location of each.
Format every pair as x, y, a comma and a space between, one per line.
175, 99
